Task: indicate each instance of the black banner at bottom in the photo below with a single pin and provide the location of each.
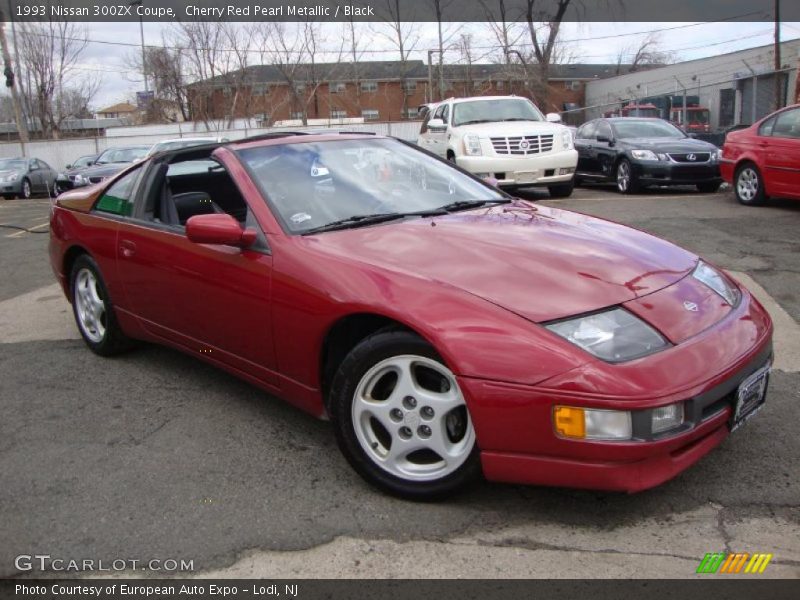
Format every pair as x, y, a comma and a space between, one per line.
357, 589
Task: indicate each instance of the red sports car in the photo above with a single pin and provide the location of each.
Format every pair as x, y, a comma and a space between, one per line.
763, 160
444, 327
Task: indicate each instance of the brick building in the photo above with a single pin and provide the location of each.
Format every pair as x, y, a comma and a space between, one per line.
378, 90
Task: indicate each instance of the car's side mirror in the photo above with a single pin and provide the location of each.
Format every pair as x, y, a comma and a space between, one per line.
553, 118
436, 125
604, 138
219, 229
68, 167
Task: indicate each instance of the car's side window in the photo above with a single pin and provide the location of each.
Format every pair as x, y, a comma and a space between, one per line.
424, 127
586, 132
603, 129
446, 114
34, 165
181, 190
118, 199
439, 112
787, 124
766, 127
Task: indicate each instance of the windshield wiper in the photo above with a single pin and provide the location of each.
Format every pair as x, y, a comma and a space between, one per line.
475, 121
519, 119
358, 220
465, 204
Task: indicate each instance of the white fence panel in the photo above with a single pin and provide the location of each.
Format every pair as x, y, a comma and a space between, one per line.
59, 153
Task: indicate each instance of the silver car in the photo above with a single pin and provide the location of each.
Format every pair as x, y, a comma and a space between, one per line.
24, 177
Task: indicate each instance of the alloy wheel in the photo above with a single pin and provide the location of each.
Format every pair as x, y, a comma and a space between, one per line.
623, 176
411, 420
91, 308
26, 189
747, 184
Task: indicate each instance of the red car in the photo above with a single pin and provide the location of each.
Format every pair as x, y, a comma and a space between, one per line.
763, 160
443, 327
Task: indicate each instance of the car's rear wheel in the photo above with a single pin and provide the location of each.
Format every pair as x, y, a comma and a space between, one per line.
708, 188
748, 185
563, 190
401, 419
627, 183
93, 310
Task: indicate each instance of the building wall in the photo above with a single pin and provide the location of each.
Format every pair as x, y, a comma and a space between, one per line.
703, 77
389, 100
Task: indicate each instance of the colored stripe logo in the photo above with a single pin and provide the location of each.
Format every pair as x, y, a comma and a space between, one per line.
733, 562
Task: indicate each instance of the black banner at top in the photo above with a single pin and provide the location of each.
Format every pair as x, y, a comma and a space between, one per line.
400, 10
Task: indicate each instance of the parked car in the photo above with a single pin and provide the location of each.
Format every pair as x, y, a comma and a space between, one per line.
763, 160
24, 177
65, 179
443, 326
504, 138
187, 142
109, 163
637, 152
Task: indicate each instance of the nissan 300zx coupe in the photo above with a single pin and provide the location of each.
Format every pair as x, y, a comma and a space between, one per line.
446, 329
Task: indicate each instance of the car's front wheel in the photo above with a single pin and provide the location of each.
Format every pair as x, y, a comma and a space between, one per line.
401, 419
93, 310
748, 185
627, 183
563, 190
25, 190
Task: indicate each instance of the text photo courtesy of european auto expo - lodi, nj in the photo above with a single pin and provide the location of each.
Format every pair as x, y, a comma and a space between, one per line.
484, 299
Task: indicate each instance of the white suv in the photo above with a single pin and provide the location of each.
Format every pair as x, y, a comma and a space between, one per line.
505, 138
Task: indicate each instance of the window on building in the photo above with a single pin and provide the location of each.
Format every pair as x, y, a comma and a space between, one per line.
370, 114
227, 90
476, 85
499, 85
337, 87
263, 117
572, 85
298, 114
409, 87
299, 86
369, 86
410, 113
338, 113
260, 89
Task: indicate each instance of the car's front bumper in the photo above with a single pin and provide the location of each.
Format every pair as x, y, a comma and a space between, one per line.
11, 188
550, 168
514, 423
669, 173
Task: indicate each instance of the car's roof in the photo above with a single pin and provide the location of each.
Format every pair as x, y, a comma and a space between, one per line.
277, 139
135, 147
628, 119
188, 139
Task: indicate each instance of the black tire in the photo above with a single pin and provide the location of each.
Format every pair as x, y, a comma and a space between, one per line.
113, 340
451, 157
631, 184
25, 190
708, 188
381, 346
748, 185
54, 190
563, 190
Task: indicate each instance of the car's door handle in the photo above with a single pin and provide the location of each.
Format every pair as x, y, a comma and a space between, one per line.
127, 248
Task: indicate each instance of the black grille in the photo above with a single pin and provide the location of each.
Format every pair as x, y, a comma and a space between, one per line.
684, 158
96, 178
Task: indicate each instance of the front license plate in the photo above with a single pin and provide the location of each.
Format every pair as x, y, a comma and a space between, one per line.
750, 396
525, 176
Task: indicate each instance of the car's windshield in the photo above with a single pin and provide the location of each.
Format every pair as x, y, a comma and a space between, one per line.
314, 184
501, 109
646, 129
122, 155
83, 161
12, 165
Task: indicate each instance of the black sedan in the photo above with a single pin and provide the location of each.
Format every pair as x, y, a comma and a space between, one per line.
24, 177
109, 163
637, 152
66, 177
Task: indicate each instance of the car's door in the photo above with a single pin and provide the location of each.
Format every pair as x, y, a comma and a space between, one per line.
210, 299
438, 136
584, 144
605, 150
782, 154
48, 176
35, 176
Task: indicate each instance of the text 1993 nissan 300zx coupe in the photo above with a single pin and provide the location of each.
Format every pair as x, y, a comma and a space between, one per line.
444, 327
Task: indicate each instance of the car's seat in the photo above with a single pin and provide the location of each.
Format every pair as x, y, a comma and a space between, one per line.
191, 204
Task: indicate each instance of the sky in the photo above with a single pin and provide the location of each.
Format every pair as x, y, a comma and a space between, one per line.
587, 43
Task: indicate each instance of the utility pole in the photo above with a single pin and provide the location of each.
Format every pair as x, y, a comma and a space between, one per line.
9, 73
778, 82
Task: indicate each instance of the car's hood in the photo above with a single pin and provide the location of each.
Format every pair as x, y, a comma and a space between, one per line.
507, 128
668, 145
538, 262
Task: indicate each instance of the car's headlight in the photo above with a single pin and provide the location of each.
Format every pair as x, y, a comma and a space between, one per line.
715, 156
644, 155
472, 144
710, 276
667, 417
80, 180
566, 139
10, 178
614, 335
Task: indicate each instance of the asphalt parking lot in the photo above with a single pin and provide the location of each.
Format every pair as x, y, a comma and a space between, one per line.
154, 455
